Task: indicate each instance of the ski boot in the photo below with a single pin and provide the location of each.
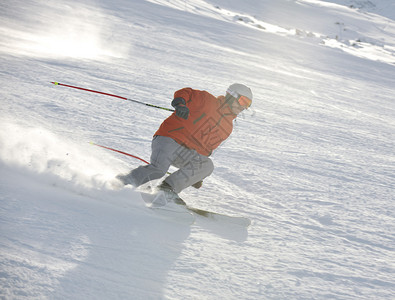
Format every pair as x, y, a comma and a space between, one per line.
166, 195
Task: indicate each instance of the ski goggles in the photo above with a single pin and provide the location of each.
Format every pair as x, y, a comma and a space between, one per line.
242, 100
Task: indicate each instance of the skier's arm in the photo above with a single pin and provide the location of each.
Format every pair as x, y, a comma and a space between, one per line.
185, 93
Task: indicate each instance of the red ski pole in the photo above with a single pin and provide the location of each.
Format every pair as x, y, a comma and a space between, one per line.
115, 150
112, 95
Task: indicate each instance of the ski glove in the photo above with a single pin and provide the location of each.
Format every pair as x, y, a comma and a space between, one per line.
198, 184
181, 110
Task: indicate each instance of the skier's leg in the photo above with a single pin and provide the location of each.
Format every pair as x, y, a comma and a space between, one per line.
194, 167
161, 159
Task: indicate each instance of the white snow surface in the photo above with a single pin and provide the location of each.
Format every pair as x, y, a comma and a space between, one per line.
311, 163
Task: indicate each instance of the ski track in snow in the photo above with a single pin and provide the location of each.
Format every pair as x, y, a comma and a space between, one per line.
311, 163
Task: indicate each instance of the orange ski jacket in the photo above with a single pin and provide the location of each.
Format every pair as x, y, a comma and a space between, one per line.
210, 122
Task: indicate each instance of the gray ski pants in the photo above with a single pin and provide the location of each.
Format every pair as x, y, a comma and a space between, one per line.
193, 166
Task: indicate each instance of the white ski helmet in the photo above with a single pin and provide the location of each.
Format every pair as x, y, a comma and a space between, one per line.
237, 89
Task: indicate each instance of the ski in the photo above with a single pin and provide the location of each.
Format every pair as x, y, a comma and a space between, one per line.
235, 220
188, 213
175, 215
171, 211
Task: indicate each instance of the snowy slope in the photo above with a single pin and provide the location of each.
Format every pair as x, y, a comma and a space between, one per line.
311, 163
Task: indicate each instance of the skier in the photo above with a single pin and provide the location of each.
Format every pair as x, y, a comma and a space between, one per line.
186, 139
